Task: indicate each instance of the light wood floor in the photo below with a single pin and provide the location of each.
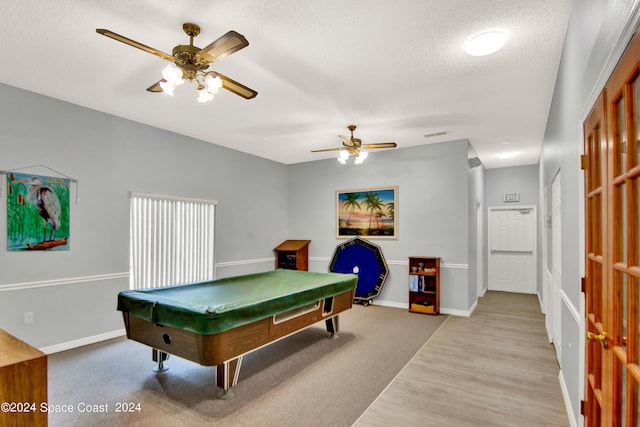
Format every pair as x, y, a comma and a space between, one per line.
495, 368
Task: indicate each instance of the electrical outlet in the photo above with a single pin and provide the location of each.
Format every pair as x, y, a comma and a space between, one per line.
28, 318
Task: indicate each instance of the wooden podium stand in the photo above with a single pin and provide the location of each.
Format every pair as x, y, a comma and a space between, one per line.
293, 255
23, 382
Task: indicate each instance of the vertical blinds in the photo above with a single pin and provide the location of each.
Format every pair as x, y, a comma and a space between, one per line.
171, 240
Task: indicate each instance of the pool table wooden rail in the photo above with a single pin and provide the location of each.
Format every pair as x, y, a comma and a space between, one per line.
225, 349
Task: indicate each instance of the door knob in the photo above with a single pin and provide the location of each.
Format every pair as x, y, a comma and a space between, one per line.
601, 337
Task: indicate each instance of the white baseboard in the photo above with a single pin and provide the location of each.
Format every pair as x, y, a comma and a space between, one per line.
404, 306
462, 313
83, 341
542, 310
567, 401
443, 310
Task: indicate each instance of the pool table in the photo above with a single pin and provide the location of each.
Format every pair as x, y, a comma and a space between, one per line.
215, 323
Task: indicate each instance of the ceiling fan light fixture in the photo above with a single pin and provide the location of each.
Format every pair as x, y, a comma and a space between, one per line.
172, 78
172, 74
354, 146
190, 62
361, 157
486, 43
167, 87
214, 84
343, 156
204, 95
358, 155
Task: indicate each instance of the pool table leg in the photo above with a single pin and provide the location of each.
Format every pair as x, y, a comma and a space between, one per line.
332, 326
227, 376
160, 357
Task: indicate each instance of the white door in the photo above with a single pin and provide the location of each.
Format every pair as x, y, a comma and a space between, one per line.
479, 249
556, 263
547, 262
512, 249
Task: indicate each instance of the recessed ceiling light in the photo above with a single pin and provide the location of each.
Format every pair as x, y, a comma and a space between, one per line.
509, 155
486, 43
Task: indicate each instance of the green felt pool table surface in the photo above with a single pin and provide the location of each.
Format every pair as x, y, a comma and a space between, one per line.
223, 304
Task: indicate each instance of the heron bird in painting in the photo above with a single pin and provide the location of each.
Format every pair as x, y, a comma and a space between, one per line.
47, 203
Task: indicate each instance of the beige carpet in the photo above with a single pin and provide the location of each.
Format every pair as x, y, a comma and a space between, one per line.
306, 379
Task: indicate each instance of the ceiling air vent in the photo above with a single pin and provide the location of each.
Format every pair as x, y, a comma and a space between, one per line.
431, 135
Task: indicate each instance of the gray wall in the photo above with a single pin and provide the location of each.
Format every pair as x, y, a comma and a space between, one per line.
594, 31
73, 293
433, 186
520, 179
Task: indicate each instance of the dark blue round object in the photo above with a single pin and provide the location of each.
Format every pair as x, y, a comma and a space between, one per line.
365, 259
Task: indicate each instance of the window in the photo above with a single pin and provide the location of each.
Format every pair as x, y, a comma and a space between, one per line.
171, 240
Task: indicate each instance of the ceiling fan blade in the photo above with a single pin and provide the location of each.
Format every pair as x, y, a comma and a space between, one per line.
380, 145
237, 88
223, 47
156, 86
346, 141
328, 149
134, 43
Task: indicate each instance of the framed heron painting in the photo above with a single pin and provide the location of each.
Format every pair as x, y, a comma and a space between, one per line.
370, 213
37, 212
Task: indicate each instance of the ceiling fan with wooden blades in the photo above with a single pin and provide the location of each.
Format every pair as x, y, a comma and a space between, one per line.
354, 146
189, 62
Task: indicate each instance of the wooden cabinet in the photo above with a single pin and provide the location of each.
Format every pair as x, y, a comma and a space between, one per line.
293, 255
424, 285
23, 382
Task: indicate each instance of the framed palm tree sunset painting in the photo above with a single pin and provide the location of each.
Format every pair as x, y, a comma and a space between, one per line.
369, 212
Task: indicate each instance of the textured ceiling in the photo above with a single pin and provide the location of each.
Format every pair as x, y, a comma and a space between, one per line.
398, 70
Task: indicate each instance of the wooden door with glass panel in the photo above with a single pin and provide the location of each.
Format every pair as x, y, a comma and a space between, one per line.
612, 185
595, 174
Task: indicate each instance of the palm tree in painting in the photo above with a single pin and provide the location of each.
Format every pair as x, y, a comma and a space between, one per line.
391, 211
380, 215
373, 204
351, 203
